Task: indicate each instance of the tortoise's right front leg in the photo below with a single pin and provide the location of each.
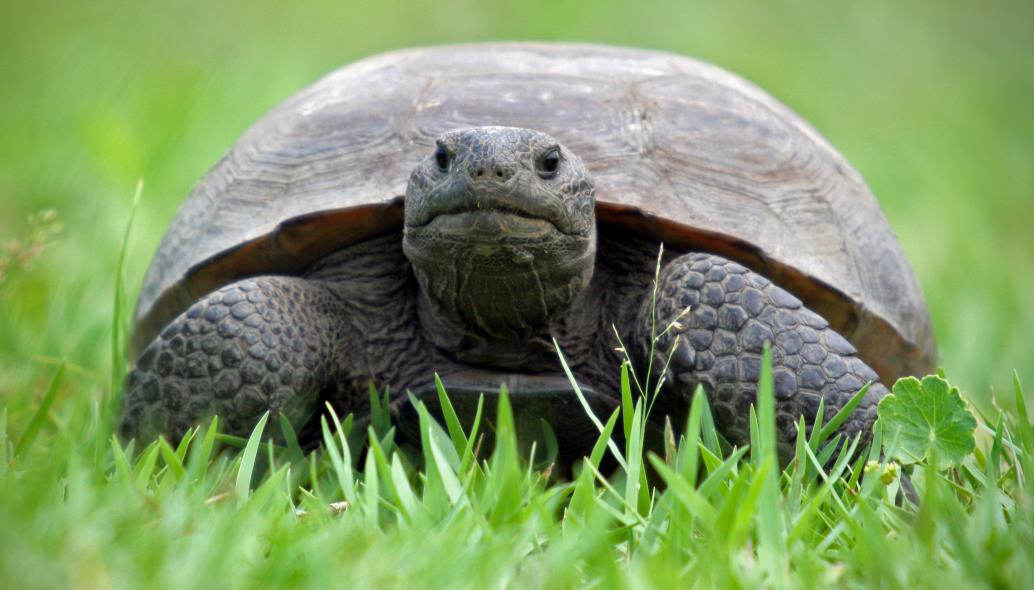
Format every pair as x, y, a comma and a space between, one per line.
721, 315
266, 343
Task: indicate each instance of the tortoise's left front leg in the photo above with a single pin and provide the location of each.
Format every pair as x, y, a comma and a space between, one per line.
267, 343
732, 313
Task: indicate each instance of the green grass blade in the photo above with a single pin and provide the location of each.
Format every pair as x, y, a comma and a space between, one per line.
123, 470
145, 465
231, 440
435, 496
771, 528
690, 498
271, 455
689, 456
469, 459
551, 442
247, 466
671, 448
799, 467
628, 515
757, 453
713, 461
583, 494
110, 402
6, 448
340, 456
407, 498
710, 487
1021, 400
184, 445
582, 497
841, 416
817, 499
171, 458
763, 447
598, 449
504, 482
627, 407
585, 406
200, 458
314, 478
748, 508
264, 493
40, 415
448, 478
371, 493
876, 448
634, 473
1025, 429
816, 427
729, 507
452, 421
376, 450
294, 450
708, 430
380, 411
833, 446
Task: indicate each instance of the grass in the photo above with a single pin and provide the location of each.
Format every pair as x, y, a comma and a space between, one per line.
930, 103
81, 508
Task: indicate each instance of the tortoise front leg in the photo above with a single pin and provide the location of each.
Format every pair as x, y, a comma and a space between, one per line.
266, 343
732, 313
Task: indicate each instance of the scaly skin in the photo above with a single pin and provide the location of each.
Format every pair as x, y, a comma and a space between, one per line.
497, 259
260, 344
733, 313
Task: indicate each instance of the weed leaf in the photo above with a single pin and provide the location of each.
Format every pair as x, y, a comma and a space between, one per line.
926, 419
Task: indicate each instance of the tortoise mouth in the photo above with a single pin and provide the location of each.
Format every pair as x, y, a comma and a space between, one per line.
496, 242
492, 224
500, 209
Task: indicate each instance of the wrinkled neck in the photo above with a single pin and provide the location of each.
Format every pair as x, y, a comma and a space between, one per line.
501, 315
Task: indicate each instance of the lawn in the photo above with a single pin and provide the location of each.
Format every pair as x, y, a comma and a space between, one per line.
932, 104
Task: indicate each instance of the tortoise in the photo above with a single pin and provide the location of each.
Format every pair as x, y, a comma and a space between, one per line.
467, 210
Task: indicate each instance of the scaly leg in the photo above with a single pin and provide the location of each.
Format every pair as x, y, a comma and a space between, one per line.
733, 313
265, 343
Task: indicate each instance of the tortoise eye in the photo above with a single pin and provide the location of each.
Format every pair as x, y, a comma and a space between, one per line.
550, 163
442, 158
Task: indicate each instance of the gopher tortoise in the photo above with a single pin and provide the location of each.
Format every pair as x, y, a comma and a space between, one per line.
454, 210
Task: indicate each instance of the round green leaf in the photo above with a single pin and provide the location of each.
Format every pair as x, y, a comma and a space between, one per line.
924, 419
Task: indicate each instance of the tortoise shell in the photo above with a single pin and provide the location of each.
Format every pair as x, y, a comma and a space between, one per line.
680, 151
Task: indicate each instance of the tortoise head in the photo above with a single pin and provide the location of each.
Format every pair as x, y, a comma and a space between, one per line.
500, 229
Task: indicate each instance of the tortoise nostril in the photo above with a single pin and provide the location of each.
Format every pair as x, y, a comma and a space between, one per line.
501, 172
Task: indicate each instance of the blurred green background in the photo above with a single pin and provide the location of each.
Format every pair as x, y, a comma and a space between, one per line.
932, 102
